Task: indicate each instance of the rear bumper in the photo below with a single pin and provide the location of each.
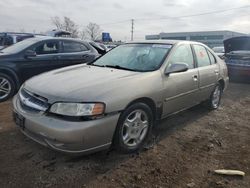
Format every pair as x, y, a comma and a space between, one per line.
66, 136
226, 80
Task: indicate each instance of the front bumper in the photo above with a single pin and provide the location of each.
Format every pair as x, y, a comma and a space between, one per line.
67, 136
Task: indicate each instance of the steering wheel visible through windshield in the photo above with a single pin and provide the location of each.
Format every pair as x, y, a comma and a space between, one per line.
135, 57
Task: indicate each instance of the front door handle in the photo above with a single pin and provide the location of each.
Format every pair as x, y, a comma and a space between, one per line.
216, 71
195, 78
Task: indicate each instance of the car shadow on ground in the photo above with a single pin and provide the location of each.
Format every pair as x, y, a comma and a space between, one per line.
20, 154
173, 123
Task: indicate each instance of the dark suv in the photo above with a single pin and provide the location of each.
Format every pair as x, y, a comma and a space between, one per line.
9, 38
33, 56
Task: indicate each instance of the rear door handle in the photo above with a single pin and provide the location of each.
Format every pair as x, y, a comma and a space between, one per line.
216, 71
195, 78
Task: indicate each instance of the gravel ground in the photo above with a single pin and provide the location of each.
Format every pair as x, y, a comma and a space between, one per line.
186, 149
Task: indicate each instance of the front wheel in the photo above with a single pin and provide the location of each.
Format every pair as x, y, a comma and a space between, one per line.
7, 87
133, 128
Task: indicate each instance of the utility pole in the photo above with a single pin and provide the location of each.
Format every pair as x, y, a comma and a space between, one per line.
132, 29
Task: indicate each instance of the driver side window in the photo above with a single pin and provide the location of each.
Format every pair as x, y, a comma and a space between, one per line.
182, 54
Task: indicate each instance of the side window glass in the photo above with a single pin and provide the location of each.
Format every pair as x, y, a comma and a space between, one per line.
48, 47
183, 54
211, 57
70, 47
201, 55
1, 40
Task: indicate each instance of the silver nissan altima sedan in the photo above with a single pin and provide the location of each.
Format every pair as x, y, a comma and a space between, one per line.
117, 99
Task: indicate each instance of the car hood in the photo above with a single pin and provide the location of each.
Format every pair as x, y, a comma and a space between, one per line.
80, 83
4, 56
237, 44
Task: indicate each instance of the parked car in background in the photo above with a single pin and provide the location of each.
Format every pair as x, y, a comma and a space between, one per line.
9, 38
100, 48
219, 51
237, 57
118, 98
36, 55
59, 33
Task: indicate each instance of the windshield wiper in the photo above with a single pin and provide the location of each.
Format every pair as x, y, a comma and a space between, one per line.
119, 67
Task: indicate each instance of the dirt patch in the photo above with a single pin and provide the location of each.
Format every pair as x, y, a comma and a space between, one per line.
188, 147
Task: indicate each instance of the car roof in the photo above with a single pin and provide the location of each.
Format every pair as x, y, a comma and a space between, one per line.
173, 42
43, 38
15, 34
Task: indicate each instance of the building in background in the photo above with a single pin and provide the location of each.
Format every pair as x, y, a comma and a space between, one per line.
210, 38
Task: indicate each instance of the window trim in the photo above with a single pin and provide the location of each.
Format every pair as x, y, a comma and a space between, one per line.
176, 48
196, 59
208, 51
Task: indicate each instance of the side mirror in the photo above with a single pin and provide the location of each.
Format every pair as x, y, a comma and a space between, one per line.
177, 67
30, 53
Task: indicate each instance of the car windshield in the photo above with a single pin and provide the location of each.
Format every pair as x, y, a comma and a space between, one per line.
18, 47
135, 57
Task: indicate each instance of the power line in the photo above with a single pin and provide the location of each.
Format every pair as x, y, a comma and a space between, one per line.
112, 23
194, 15
177, 17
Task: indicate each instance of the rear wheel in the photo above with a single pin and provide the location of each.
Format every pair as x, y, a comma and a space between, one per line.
133, 128
215, 98
7, 87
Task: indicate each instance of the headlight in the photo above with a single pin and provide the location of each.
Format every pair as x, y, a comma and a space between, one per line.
78, 109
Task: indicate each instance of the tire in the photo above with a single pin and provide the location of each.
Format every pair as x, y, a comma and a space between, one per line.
132, 130
215, 98
7, 87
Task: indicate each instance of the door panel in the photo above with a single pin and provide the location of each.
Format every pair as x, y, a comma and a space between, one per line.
46, 59
75, 58
39, 64
208, 71
208, 78
180, 91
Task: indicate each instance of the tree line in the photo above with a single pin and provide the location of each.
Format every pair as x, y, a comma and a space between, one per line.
92, 31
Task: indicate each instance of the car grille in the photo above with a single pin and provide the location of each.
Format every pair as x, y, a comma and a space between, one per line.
32, 102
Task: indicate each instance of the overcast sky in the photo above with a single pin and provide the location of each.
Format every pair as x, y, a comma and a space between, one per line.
35, 15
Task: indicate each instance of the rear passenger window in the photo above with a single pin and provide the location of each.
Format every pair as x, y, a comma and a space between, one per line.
211, 57
48, 47
201, 55
69, 47
182, 54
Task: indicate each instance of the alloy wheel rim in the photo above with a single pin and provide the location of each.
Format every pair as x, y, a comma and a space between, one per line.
5, 87
216, 97
135, 128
